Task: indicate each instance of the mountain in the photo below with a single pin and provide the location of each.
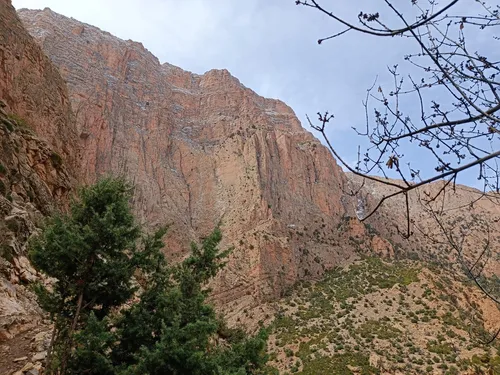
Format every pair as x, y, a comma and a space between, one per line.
394, 318
339, 294
203, 150
457, 227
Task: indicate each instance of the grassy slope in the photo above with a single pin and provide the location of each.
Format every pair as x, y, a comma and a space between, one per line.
377, 317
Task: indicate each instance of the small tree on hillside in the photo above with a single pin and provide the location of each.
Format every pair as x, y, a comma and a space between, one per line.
93, 253
90, 252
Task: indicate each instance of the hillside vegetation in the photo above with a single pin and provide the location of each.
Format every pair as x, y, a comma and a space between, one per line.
376, 317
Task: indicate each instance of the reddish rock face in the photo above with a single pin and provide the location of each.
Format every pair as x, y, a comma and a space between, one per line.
38, 153
32, 88
202, 150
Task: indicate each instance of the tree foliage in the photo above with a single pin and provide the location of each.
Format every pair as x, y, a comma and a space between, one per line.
104, 323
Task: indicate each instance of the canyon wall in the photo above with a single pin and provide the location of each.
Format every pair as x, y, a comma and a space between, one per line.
202, 150
38, 154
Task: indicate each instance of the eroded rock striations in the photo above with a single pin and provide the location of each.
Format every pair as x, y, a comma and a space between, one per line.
202, 150
38, 153
32, 88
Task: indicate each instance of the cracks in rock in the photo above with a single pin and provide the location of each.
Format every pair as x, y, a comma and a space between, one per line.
188, 187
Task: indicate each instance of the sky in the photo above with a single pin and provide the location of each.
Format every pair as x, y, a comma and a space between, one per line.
269, 45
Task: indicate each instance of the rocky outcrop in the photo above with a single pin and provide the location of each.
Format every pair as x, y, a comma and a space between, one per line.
32, 88
202, 150
37, 162
455, 227
33, 180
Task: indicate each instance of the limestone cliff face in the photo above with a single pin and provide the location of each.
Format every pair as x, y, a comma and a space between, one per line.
38, 153
202, 150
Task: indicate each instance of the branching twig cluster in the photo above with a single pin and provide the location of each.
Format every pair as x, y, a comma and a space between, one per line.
439, 119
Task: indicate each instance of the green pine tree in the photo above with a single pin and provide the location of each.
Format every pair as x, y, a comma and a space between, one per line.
94, 253
90, 253
173, 330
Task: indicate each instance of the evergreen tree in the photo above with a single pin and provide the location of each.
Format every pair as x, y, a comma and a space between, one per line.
90, 253
91, 348
93, 253
173, 330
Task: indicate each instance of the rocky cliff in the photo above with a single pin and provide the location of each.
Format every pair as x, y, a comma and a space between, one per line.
456, 227
38, 153
32, 88
202, 150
